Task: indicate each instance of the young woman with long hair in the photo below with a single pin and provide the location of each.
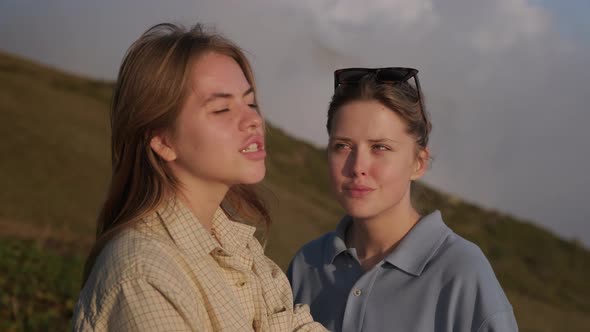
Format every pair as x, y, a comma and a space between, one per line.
175, 245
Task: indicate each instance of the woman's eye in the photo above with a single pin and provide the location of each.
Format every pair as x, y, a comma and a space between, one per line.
221, 111
339, 146
253, 106
380, 147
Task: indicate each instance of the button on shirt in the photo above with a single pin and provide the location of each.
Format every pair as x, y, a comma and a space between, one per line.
170, 274
433, 281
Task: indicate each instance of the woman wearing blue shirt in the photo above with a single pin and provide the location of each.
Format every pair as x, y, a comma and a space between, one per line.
386, 267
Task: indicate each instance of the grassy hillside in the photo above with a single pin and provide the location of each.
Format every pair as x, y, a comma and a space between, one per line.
54, 171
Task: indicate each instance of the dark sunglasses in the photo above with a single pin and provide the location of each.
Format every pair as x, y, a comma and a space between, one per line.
391, 75
388, 75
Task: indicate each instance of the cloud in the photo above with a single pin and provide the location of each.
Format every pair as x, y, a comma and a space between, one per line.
505, 87
350, 11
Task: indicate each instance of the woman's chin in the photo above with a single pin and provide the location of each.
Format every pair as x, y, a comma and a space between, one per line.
356, 209
253, 177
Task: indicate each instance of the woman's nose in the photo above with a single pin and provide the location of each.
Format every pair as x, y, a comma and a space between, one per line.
251, 119
358, 163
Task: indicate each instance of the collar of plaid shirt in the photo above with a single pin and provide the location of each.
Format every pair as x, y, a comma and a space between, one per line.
194, 239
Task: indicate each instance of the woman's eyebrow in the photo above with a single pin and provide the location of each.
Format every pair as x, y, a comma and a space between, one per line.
225, 95
382, 140
249, 91
340, 138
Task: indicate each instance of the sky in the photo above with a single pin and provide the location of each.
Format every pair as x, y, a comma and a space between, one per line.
505, 81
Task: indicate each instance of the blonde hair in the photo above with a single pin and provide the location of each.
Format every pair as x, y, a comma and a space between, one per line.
402, 99
148, 96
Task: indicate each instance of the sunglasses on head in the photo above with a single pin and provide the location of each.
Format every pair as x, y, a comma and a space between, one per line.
391, 75
388, 75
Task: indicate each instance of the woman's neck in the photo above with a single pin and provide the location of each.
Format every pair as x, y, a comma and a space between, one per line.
374, 238
202, 198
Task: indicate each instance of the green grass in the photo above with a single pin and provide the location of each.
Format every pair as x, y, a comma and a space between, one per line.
55, 169
38, 286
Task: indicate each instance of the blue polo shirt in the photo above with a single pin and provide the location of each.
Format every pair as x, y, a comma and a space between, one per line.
433, 281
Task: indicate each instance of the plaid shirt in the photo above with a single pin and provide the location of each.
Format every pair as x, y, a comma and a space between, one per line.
170, 274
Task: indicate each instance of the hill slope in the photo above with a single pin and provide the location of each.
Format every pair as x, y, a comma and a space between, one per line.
54, 172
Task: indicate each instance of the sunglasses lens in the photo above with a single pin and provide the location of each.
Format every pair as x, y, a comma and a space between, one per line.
394, 74
351, 75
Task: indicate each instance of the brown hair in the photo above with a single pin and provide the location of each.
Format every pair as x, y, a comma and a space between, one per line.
148, 96
402, 98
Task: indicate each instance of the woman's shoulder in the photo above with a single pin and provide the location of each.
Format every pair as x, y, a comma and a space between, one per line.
131, 267
461, 267
461, 261
459, 249
133, 255
460, 255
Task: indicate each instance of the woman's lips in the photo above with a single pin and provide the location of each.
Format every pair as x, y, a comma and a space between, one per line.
253, 148
357, 191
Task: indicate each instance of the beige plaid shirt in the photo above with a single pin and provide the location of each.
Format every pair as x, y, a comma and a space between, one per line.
169, 274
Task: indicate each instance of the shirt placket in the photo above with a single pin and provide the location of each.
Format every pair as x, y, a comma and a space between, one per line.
237, 269
358, 297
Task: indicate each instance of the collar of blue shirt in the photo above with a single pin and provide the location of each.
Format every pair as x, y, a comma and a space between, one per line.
413, 252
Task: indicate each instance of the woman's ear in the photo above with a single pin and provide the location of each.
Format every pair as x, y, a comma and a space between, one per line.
160, 144
421, 163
